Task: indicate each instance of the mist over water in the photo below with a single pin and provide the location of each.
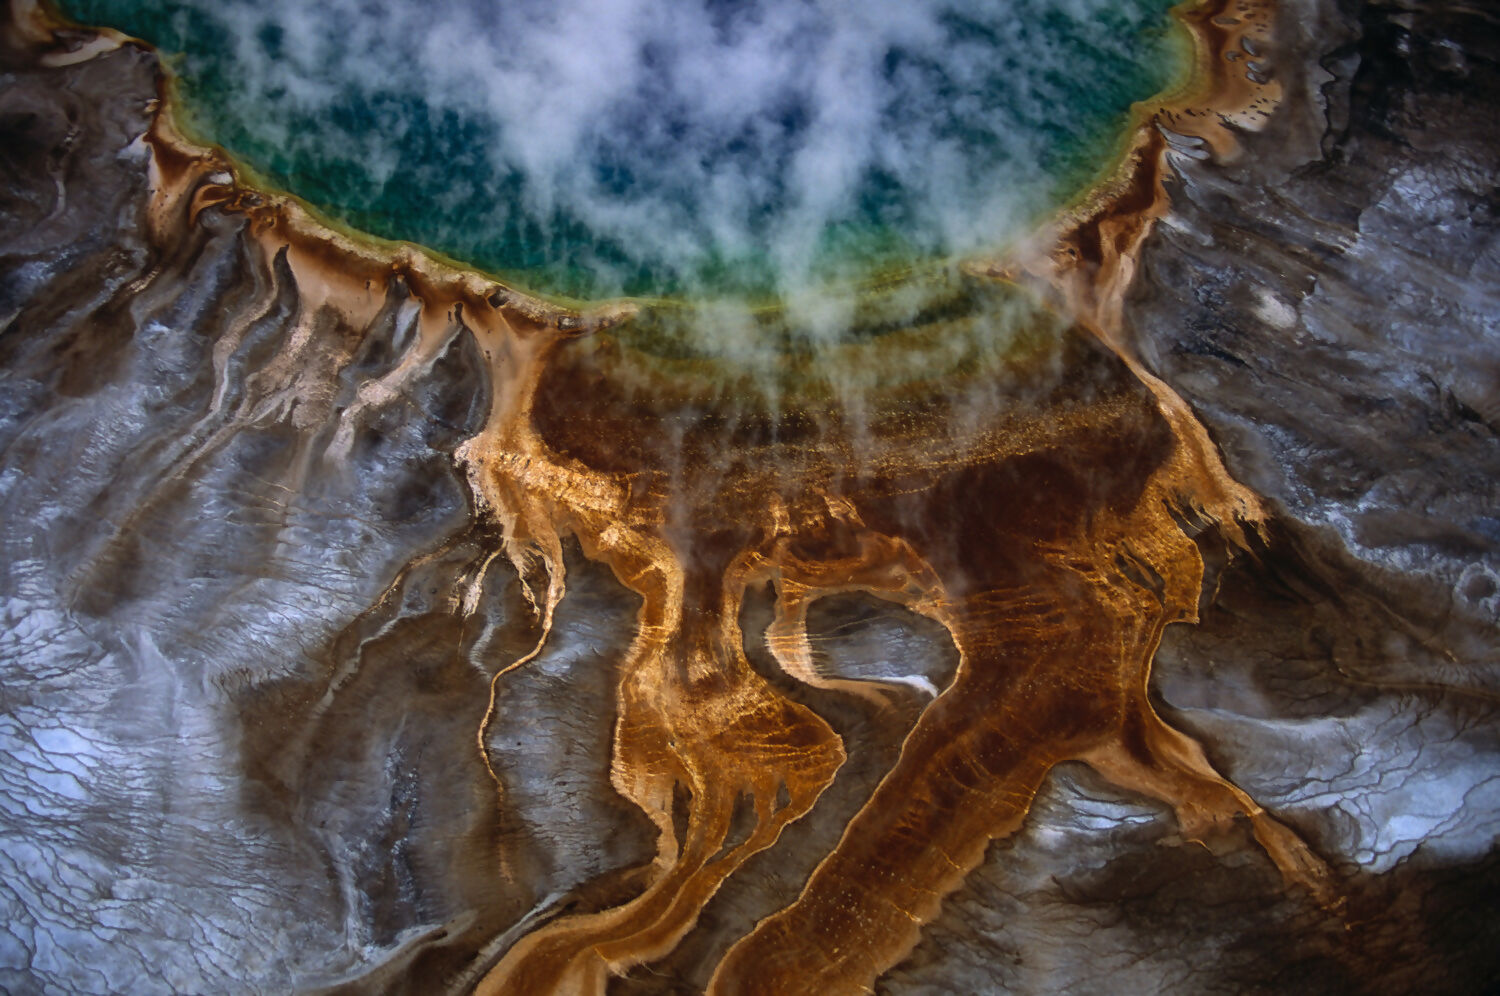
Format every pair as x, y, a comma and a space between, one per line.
602, 147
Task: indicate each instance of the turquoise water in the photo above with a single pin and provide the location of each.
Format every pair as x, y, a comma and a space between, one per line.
593, 148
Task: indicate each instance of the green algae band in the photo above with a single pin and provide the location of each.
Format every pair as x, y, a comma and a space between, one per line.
602, 147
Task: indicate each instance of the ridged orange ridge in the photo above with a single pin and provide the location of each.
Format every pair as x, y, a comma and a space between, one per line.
1052, 543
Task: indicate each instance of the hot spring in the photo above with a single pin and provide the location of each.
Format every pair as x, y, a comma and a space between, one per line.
748, 151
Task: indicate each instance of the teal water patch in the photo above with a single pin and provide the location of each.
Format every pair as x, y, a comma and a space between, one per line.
602, 147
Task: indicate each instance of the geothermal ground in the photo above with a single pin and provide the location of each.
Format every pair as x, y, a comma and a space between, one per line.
1112, 611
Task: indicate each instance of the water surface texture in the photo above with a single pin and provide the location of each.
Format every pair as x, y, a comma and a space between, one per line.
601, 147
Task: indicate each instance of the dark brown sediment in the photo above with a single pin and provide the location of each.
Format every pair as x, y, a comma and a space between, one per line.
1053, 541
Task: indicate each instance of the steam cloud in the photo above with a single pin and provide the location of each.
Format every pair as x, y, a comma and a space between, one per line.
642, 145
